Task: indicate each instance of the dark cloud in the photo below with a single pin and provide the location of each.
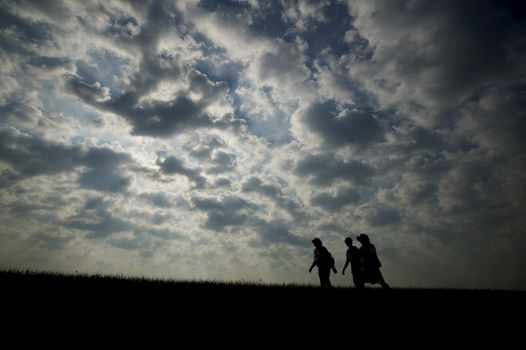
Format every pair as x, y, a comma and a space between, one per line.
223, 162
49, 62
28, 209
477, 184
52, 241
418, 67
208, 149
383, 215
160, 17
422, 138
145, 241
158, 199
223, 182
204, 147
104, 158
154, 117
223, 212
50, 10
28, 35
328, 35
342, 127
14, 112
162, 118
430, 164
104, 174
105, 180
229, 202
426, 192
135, 243
171, 165
323, 169
254, 184
335, 202
278, 233
22, 209
481, 122
125, 27
31, 156
98, 220
417, 138
90, 93
159, 219
8, 178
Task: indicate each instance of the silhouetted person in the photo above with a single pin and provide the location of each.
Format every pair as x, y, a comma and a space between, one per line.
370, 262
353, 257
325, 262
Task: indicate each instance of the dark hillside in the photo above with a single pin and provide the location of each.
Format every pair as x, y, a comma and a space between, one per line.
114, 301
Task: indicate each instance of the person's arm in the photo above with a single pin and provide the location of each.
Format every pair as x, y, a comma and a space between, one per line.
347, 261
312, 266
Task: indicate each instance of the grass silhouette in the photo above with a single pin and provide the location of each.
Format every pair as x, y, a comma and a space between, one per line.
20, 282
96, 305
118, 299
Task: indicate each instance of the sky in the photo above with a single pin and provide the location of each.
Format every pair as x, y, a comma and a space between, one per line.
212, 140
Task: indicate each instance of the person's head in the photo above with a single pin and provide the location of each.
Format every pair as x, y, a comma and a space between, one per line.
363, 239
317, 242
348, 241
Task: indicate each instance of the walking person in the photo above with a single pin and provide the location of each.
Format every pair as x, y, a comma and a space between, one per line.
325, 262
370, 262
353, 257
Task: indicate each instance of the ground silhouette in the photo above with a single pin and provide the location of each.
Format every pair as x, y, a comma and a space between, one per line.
56, 290
91, 308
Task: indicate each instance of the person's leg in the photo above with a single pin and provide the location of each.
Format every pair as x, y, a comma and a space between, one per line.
328, 282
324, 277
358, 281
320, 275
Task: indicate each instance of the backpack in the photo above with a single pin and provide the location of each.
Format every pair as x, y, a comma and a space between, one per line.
331, 261
326, 258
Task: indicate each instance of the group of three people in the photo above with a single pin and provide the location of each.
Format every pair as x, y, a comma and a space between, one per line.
365, 265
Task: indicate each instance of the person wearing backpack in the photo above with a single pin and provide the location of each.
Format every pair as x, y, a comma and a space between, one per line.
353, 257
325, 262
370, 262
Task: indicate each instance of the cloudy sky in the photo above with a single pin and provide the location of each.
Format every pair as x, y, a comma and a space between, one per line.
215, 139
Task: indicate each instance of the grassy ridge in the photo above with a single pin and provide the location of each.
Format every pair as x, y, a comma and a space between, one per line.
52, 278
57, 305
121, 298
105, 302
53, 284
